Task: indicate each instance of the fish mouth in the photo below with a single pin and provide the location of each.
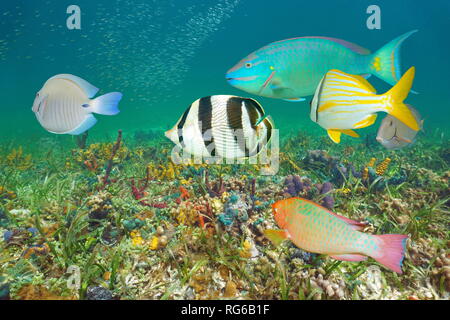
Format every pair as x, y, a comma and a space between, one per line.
393, 136
241, 79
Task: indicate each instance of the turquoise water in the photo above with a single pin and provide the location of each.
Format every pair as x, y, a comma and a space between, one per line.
163, 55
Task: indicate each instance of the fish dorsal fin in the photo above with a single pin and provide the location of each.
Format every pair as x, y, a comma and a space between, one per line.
366, 84
88, 88
355, 225
349, 80
354, 47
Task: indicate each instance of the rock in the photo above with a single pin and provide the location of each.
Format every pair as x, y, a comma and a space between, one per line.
4, 290
230, 290
160, 230
98, 293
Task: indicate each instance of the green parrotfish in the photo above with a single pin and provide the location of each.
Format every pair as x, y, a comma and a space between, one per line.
291, 69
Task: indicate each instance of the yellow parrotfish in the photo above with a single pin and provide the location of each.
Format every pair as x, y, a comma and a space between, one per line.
343, 102
314, 228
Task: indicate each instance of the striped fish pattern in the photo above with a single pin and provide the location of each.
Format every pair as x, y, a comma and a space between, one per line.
63, 105
316, 229
222, 126
343, 102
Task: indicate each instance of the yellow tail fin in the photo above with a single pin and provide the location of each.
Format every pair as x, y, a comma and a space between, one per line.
396, 96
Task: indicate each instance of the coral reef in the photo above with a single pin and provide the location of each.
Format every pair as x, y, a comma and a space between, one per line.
303, 186
142, 227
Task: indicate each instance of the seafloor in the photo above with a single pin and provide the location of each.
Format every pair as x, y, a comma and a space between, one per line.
118, 220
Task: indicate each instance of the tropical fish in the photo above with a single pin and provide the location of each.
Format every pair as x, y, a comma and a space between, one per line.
394, 134
291, 69
314, 228
343, 102
222, 126
64, 104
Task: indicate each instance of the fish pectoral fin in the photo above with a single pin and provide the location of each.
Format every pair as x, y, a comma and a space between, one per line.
87, 123
349, 257
279, 91
404, 139
334, 135
350, 133
370, 120
261, 119
295, 99
276, 236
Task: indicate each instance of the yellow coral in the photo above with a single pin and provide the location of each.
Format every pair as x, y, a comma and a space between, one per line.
246, 250
164, 172
344, 190
225, 196
372, 162
186, 182
217, 205
365, 174
136, 238
382, 167
154, 244
101, 153
186, 214
6, 194
18, 160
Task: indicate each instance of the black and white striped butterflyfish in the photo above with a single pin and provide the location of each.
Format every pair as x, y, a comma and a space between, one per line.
222, 126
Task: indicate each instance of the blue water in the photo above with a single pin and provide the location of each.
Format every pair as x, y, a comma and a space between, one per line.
163, 55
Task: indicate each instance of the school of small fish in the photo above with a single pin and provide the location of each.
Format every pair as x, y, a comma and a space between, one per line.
334, 71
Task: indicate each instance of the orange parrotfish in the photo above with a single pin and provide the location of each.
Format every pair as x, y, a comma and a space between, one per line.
314, 228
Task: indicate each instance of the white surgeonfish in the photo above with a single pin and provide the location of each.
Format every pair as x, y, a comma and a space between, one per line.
64, 105
394, 134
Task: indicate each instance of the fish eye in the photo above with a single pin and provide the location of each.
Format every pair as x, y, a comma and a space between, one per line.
248, 65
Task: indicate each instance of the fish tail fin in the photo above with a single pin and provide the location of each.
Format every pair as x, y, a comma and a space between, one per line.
396, 95
107, 104
385, 63
391, 251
